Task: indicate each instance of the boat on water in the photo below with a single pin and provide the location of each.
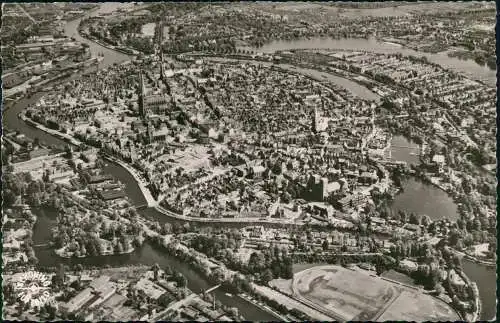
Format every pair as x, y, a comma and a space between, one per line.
229, 295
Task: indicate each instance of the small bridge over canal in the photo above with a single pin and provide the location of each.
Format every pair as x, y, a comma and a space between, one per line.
41, 245
142, 206
405, 147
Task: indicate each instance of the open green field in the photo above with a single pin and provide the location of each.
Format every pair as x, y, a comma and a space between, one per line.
399, 277
347, 295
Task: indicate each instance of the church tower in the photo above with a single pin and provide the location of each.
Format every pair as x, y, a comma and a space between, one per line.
150, 132
142, 93
316, 119
162, 66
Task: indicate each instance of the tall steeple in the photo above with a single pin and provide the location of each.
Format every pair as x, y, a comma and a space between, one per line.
162, 66
142, 93
316, 119
159, 47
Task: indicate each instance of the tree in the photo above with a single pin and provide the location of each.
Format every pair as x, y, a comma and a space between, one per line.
61, 274
267, 276
9, 198
181, 280
325, 245
9, 293
167, 228
119, 247
439, 289
256, 262
454, 237
218, 275
156, 269
164, 300
414, 219
432, 228
457, 262
168, 271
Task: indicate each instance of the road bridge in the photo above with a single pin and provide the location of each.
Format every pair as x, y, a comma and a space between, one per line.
403, 146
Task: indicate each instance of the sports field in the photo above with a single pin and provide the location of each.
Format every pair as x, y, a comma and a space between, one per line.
347, 295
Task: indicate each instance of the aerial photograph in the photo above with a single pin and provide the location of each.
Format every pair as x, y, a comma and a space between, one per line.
249, 161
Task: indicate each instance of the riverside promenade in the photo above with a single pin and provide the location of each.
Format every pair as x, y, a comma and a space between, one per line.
150, 201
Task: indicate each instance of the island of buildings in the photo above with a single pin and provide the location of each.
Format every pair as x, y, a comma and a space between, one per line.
300, 164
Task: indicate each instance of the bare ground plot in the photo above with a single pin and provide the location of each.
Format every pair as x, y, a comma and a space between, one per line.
353, 295
300, 267
283, 285
411, 306
343, 293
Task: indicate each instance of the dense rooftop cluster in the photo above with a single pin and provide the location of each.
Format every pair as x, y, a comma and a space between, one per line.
266, 143
162, 129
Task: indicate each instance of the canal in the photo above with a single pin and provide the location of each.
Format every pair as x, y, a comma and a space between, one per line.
411, 200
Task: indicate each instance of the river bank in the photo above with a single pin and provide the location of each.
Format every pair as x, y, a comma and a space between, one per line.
64, 136
204, 266
353, 86
262, 306
372, 44
473, 317
472, 258
65, 254
150, 201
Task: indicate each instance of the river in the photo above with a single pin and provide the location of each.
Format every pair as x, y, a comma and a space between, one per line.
357, 89
149, 254
423, 198
405, 150
110, 56
417, 196
468, 67
485, 278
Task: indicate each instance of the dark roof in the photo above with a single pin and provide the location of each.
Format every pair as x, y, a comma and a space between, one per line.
111, 194
99, 178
